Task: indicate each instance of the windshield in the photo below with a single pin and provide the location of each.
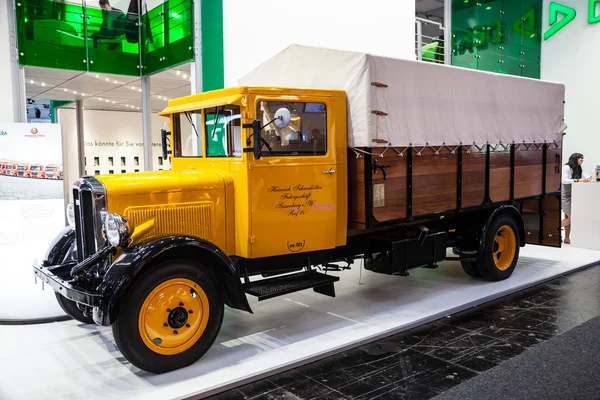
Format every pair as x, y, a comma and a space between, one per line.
22, 168
50, 168
9, 167
35, 168
223, 131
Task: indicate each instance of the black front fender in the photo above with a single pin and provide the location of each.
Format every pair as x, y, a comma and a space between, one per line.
60, 247
136, 259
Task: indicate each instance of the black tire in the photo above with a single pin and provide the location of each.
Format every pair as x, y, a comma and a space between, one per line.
126, 329
470, 268
486, 266
70, 307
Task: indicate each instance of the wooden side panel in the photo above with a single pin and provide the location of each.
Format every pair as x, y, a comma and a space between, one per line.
473, 178
434, 182
394, 204
499, 175
554, 167
552, 221
356, 192
530, 211
528, 171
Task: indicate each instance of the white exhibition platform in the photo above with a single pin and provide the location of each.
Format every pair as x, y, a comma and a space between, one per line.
68, 360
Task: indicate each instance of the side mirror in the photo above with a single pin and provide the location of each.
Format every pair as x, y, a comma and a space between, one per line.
165, 137
282, 118
256, 128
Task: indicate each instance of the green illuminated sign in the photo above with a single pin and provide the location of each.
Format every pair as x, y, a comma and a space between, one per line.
569, 14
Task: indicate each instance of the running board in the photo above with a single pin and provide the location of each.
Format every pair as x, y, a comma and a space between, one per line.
268, 288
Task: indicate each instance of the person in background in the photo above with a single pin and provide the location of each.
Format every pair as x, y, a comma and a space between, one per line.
113, 23
572, 172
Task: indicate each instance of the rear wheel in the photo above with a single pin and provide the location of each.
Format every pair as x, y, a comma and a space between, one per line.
170, 317
70, 307
500, 250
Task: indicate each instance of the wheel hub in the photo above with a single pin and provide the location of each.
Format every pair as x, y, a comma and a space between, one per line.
178, 317
173, 316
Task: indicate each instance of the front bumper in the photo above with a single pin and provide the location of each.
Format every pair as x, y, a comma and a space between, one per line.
59, 279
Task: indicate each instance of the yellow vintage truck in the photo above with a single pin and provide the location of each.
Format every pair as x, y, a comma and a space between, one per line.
282, 182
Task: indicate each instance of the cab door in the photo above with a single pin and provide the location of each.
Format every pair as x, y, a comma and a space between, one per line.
294, 185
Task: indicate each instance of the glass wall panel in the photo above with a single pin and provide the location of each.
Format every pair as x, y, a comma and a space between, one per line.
168, 36
51, 34
113, 41
504, 34
78, 36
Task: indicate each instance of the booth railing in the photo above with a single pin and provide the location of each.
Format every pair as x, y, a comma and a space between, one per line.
68, 34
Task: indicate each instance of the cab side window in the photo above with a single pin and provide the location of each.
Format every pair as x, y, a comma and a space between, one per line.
186, 130
306, 134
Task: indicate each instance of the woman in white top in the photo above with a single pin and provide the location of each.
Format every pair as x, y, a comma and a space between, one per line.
571, 173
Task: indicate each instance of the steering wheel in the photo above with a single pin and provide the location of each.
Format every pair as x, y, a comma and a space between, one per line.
264, 142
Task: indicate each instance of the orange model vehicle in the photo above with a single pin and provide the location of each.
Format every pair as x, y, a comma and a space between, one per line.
24, 170
38, 171
11, 169
2, 167
52, 171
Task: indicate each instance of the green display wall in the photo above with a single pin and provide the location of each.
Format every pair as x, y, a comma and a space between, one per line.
501, 36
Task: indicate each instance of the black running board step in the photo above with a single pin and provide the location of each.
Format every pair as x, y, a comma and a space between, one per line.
282, 285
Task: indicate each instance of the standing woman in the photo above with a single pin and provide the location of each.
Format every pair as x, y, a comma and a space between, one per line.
571, 172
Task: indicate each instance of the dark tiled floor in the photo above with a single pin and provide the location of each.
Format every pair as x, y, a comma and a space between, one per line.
422, 363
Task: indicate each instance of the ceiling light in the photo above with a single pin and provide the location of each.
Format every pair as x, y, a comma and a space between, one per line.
83, 94
97, 76
178, 72
138, 108
31, 81
106, 79
108, 101
114, 102
43, 84
140, 90
116, 82
66, 90
184, 76
74, 92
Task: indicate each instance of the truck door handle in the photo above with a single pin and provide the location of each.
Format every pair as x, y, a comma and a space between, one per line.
330, 172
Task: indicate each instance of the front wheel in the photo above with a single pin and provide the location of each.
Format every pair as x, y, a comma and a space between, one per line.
170, 317
500, 250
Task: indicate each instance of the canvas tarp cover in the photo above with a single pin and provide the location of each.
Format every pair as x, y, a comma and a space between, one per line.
426, 103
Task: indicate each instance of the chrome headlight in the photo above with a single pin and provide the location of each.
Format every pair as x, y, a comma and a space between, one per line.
116, 229
71, 215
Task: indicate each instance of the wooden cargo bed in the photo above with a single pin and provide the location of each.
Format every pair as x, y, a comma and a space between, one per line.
401, 185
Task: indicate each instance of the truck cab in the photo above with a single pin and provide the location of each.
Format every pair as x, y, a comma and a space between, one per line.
2, 168
52, 171
37, 171
11, 169
24, 170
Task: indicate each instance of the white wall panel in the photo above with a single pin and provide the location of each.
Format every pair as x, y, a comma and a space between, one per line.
256, 30
572, 56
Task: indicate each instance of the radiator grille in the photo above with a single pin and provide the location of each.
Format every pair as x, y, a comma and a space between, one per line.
89, 198
194, 219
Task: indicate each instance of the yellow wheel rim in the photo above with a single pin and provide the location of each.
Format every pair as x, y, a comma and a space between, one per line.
504, 247
173, 316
